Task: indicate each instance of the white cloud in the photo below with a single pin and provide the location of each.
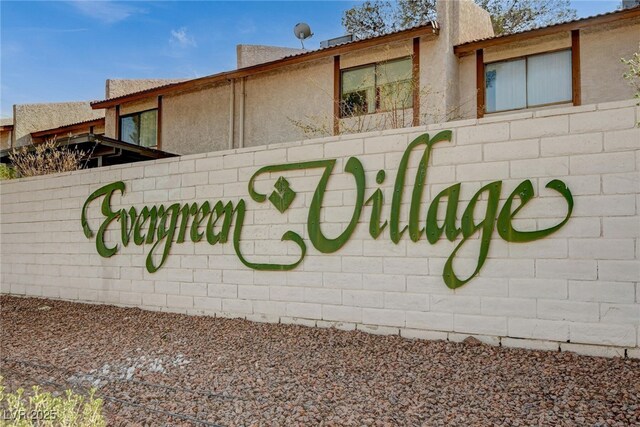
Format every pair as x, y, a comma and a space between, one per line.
246, 26
181, 38
108, 12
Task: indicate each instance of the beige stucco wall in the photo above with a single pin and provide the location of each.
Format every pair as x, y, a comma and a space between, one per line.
301, 93
380, 53
442, 98
251, 54
98, 130
467, 88
528, 47
437, 80
137, 106
600, 51
118, 87
35, 117
471, 22
196, 122
110, 123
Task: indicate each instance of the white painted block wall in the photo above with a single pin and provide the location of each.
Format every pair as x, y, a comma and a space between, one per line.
576, 290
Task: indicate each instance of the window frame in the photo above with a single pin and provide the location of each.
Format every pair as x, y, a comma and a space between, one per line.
124, 116
526, 79
375, 85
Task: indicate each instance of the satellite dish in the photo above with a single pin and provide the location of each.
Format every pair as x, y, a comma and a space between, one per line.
302, 31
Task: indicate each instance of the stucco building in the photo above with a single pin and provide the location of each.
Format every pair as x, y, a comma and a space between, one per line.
76, 124
449, 69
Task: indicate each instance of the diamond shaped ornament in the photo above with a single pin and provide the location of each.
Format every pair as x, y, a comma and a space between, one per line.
283, 195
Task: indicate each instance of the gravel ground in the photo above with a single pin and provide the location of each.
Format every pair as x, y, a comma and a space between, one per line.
168, 369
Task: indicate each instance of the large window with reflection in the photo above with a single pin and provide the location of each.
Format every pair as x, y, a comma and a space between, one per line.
140, 128
384, 86
530, 81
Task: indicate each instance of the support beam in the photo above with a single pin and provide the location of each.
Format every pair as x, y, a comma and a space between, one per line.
416, 81
336, 95
241, 118
159, 124
576, 82
232, 107
117, 135
480, 83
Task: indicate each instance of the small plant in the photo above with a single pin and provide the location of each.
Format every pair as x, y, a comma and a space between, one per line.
633, 73
43, 409
45, 158
6, 172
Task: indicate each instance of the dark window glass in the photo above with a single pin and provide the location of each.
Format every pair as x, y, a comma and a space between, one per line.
359, 91
379, 87
140, 128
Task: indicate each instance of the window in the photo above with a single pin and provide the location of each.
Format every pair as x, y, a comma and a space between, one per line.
377, 87
528, 82
140, 128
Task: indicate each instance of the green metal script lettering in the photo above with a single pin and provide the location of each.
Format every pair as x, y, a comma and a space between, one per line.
161, 227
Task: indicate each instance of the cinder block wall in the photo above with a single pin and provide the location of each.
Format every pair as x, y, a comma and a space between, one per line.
576, 290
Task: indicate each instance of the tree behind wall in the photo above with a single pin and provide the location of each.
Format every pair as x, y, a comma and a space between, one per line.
372, 18
45, 158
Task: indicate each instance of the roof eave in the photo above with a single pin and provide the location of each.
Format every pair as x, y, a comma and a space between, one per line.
471, 47
432, 28
68, 128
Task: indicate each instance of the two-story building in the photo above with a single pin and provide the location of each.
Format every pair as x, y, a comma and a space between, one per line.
452, 68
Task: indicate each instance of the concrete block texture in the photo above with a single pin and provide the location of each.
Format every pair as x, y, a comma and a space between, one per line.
575, 290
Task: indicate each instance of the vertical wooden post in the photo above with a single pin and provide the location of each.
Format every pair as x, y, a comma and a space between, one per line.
159, 124
575, 67
232, 110
416, 81
480, 83
117, 136
336, 95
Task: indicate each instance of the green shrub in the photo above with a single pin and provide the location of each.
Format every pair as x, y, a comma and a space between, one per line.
6, 172
43, 409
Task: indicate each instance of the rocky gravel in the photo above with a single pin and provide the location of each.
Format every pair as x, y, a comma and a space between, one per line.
163, 369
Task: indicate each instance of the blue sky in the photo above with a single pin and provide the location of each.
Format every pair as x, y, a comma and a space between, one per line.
55, 51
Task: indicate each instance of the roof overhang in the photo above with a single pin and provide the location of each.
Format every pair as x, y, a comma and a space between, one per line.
4, 128
471, 47
428, 29
99, 145
69, 128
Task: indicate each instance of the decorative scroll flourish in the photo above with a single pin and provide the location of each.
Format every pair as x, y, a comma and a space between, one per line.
160, 227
